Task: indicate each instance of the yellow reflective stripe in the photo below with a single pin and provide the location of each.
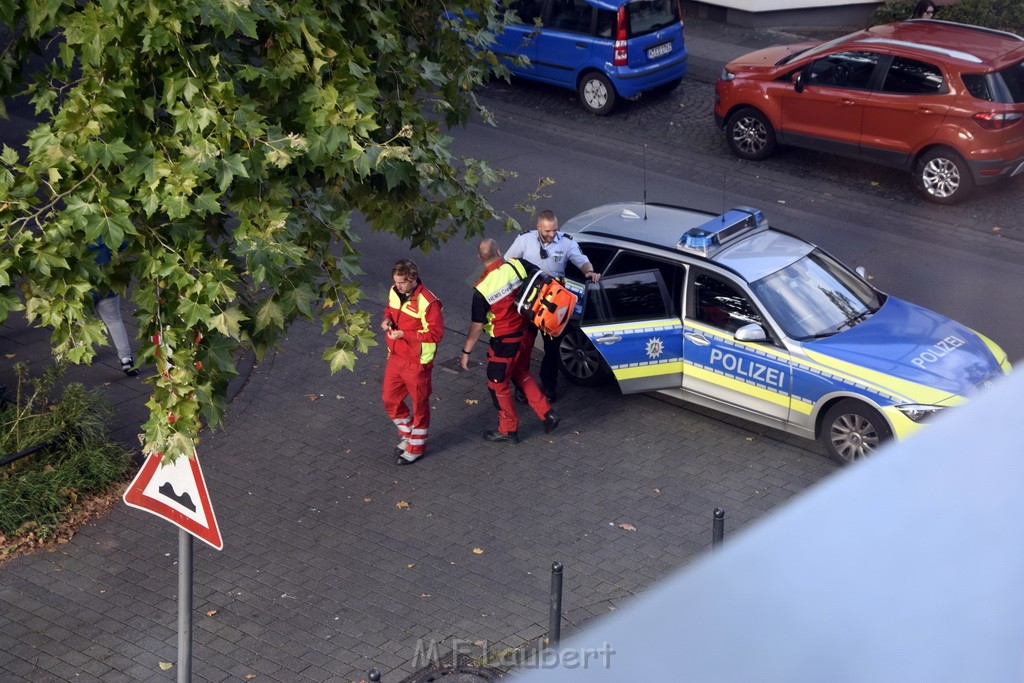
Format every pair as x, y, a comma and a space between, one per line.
801, 405
997, 353
902, 426
904, 391
653, 325
728, 382
647, 369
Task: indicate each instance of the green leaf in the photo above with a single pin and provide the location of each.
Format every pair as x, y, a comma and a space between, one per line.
269, 315
227, 322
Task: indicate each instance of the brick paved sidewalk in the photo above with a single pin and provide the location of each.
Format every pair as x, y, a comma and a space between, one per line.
325, 575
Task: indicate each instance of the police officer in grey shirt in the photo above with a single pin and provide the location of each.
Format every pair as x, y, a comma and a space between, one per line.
550, 250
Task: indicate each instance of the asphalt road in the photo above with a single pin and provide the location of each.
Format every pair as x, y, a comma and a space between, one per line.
965, 261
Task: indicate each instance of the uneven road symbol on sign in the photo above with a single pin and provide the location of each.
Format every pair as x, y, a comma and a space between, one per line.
176, 492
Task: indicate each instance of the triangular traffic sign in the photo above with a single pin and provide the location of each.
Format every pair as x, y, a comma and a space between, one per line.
176, 492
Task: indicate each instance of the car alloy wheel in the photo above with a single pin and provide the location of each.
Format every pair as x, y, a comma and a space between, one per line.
852, 431
943, 177
750, 134
580, 361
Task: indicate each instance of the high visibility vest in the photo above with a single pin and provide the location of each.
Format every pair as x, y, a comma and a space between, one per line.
499, 286
415, 307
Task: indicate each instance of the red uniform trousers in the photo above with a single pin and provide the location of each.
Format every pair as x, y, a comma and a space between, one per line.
405, 377
508, 362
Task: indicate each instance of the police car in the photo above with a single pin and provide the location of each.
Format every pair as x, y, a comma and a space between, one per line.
727, 313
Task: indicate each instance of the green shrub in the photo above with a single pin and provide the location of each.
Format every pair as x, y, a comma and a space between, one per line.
41, 491
1005, 15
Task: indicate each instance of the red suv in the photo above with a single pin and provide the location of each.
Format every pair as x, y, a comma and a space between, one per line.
940, 99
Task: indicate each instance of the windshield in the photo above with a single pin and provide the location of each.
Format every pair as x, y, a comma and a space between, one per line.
816, 297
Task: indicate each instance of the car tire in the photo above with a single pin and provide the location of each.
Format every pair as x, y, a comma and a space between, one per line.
852, 430
597, 93
750, 134
580, 361
943, 176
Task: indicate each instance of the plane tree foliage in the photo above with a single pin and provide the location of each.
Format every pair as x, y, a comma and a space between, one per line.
226, 144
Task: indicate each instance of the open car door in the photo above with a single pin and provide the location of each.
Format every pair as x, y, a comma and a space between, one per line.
629, 321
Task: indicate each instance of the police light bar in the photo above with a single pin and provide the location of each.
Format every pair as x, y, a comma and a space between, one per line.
718, 232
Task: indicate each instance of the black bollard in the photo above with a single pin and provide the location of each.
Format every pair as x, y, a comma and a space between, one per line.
718, 529
555, 619
373, 675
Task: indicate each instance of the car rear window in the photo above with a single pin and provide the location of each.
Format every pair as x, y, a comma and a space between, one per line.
1014, 79
1006, 85
648, 16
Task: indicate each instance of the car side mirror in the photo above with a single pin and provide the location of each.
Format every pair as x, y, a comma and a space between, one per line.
751, 332
798, 81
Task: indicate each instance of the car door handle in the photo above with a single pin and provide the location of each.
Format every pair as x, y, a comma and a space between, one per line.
607, 339
581, 45
847, 103
698, 339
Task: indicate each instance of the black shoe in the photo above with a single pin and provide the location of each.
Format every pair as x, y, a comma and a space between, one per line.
550, 422
495, 436
128, 367
520, 395
400, 448
401, 461
551, 396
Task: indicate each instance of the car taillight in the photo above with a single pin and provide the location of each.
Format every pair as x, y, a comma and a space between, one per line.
992, 120
621, 54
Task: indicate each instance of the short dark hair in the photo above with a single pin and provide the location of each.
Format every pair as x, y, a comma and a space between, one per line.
547, 215
406, 268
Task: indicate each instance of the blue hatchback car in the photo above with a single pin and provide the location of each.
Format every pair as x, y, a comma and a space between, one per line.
602, 49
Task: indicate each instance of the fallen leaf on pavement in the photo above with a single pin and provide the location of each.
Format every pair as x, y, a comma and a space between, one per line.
627, 526
211, 612
312, 397
402, 505
478, 551
657, 490
425, 596
410, 565
165, 665
367, 500
472, 401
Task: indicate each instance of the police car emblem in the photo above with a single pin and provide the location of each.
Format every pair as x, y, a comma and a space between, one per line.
654, 347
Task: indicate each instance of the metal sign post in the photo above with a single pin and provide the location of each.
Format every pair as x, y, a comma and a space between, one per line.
184, 606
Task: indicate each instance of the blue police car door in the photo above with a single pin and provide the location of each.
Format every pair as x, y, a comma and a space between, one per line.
630, 320
747, 376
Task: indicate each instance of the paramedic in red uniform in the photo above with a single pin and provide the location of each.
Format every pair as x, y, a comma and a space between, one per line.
508, 357
413, 326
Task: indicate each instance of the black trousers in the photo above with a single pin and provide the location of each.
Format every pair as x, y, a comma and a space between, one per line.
549, 365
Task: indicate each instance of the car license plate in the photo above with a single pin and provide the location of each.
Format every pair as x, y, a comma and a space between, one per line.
659, 50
